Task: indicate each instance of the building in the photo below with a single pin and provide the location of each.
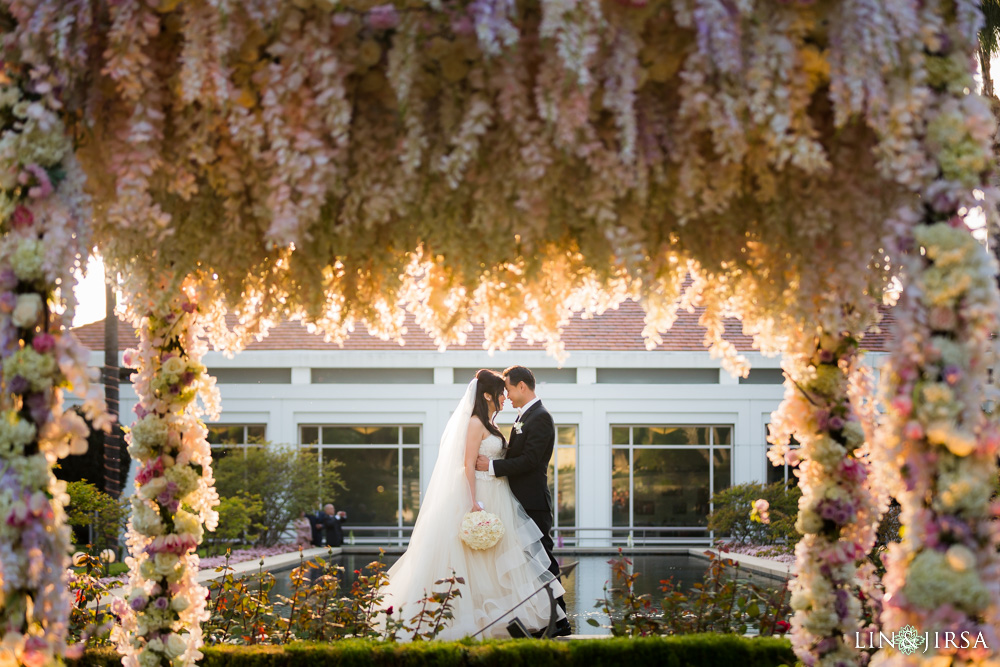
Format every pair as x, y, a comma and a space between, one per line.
644, 437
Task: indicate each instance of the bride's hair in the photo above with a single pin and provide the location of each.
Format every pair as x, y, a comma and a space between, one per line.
490, 383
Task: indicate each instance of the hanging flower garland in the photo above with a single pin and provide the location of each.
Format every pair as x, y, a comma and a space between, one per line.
175, 495
535, 159
838, 515
945, 574
43, 231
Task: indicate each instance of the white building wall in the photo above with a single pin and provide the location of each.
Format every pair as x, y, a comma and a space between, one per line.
593, 407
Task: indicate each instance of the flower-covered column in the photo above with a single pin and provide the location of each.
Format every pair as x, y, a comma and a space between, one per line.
175, 495
43, 216
944, 576
838, 514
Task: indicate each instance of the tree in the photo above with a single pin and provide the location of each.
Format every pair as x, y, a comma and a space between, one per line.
286, 480
989, 41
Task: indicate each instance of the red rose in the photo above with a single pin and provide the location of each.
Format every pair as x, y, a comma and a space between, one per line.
21, 217
781, 627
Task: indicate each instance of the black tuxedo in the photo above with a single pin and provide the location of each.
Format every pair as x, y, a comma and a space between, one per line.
526, 468
526, 464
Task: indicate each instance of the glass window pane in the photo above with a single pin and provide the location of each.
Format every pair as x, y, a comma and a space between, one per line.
670, 435
371, 476
411, 435
360, 435
619, 487
566, 435
619, 435
775, 473
722, 464
310, 435
219, 434
566, 497
671, 487
411, 485
723, 435
256, 433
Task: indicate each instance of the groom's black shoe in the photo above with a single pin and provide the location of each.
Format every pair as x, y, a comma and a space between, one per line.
563, 629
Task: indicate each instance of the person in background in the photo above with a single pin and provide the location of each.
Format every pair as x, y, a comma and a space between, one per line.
303, 530
334, 520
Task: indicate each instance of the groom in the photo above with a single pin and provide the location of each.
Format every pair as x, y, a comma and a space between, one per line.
527, 462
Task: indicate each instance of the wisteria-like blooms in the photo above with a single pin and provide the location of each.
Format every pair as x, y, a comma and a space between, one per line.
43, 231
482, 162
175, 495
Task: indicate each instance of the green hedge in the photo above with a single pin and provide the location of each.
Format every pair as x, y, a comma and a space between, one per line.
705, 649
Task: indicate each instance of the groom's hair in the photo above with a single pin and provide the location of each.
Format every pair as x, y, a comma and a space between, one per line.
519, 374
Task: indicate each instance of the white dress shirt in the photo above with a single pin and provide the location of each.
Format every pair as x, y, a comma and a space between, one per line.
524, 408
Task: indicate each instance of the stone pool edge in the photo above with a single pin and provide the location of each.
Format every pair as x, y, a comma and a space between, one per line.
763, 566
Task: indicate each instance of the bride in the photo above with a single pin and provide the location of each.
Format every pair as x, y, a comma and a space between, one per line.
496, 579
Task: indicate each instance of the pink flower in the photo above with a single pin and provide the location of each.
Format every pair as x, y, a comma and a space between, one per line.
21, 217
383, 17
42, 187
35, 649
43, 343
913, 430
903, 404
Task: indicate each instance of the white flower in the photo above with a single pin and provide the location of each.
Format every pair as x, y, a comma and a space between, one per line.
148, 435
179, 603
148, 659
164, 563
28, 310
481, 530
174, 367
153, 487
175, 646
517, 427
28, 260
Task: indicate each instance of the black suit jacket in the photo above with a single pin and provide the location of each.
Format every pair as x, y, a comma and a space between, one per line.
334, 530
526, 465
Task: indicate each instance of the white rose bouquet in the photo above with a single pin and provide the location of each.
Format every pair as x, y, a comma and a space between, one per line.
481, 530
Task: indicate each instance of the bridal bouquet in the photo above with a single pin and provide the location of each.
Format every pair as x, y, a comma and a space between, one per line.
481, 530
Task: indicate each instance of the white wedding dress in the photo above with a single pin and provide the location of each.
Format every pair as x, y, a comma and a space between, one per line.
495, 579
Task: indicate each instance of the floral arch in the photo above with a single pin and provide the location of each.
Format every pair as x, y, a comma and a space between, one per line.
509, 163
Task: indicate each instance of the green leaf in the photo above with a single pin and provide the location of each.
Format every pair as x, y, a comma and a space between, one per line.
593, 622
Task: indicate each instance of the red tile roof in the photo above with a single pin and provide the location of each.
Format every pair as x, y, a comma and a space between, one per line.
615, 330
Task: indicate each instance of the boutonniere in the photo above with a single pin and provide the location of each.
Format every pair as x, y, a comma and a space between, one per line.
517, 427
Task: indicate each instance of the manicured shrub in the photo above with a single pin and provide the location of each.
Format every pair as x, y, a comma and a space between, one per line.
709, 650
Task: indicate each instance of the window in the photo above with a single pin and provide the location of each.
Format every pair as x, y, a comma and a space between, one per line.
381, 468
783, 473
227, 439
562, 474
663, 477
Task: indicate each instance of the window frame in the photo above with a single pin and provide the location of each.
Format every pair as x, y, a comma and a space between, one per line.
399, 446
711, 447
245, 444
